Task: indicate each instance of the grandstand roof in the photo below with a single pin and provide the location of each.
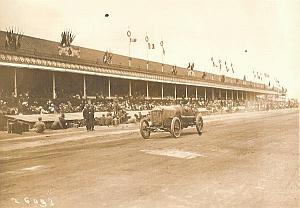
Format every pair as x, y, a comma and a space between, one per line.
48, 50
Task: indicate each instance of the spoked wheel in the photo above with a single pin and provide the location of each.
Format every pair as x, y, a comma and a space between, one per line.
199, 124
176, 127
144, 129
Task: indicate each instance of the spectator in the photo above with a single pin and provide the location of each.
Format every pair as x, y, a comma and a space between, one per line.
39, 126
102, 120
59, 123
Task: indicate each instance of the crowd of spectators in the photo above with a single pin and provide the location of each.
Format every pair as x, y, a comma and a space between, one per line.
114, 111
26, 105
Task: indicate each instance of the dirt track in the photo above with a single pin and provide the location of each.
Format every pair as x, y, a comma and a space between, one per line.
243, 160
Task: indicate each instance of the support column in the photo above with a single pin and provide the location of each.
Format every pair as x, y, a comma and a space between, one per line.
109, 87
53, 86
15, 85
220, 94
84, 87
212, 94
242, 95
237, 94
162, 91
196, 96
130, 88
175, 92
186, 91
231, 94
205, 94
226, 94
162, 68
147, 90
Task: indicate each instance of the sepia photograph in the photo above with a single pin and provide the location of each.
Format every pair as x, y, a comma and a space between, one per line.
149, 104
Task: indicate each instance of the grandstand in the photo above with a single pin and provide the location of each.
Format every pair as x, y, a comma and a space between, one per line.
37, 68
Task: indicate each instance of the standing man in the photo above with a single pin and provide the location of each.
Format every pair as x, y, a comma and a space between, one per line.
86, 116
92, 117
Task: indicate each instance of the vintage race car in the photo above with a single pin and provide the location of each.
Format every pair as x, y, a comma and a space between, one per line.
171, 119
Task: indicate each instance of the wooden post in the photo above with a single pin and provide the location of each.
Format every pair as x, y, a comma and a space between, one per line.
53, 86
109, 88
186, 91
84, 87
162, 91
15, 85
130, 88
205, 94
175, 92
147, 90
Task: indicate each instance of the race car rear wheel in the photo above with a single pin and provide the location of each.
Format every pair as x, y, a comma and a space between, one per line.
144, 129
199, 124
175, 127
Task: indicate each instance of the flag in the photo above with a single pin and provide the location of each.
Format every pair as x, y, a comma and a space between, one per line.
151, 46
227, 69
232, 68
220, 64
189, 66
164, 52
192, 66
133, 40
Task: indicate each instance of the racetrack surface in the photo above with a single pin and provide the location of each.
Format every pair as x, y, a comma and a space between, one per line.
241, 160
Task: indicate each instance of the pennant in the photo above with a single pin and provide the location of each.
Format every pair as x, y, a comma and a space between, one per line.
192, 66
227, 69
133, 40
189, 66
151, 46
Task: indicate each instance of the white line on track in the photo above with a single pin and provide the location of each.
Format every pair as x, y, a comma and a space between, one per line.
173, 153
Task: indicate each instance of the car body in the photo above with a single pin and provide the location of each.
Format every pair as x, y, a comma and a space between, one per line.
171, 119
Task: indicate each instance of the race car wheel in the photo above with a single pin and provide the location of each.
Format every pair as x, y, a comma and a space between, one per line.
199, 124
175, 127
144, 129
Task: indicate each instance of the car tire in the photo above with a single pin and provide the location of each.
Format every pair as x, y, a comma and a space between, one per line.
175, 127
199, 124
144, 124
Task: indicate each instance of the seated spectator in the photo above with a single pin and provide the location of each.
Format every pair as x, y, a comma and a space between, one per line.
39, 126
132, 119
109, 120
102, 120
60, 123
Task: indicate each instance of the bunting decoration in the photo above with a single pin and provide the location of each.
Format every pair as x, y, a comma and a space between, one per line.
65, 47
12, 39
107, 58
